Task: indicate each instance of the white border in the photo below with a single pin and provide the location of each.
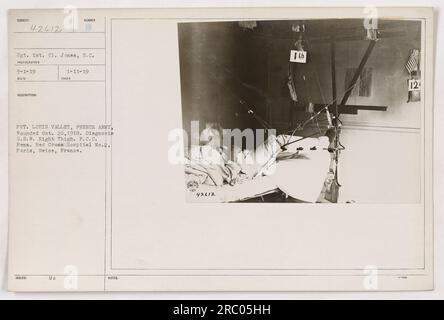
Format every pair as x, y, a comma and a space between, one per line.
438, 293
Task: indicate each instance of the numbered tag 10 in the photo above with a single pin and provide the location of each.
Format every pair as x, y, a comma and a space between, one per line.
298, 56
414, 85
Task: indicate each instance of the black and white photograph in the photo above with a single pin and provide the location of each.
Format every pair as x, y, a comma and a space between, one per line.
302, 111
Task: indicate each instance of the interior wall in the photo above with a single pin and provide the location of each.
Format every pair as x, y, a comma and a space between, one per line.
380, 165
382, 161
221, 64
389, 83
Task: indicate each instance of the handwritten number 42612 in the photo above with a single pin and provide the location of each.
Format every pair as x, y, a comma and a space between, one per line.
46, 28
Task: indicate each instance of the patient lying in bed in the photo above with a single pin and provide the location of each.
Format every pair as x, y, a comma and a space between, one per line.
301, 170
212, 163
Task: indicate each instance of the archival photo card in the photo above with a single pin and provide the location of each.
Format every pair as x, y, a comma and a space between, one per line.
228, 149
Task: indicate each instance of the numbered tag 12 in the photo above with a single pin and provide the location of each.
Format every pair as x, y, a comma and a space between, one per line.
298, 56
414, 85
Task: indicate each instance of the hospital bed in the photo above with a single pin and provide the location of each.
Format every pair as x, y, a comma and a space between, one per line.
301, 177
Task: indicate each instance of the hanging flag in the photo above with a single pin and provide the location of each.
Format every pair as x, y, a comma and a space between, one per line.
413, 62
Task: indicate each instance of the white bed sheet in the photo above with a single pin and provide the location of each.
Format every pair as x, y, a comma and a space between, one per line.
301, 178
